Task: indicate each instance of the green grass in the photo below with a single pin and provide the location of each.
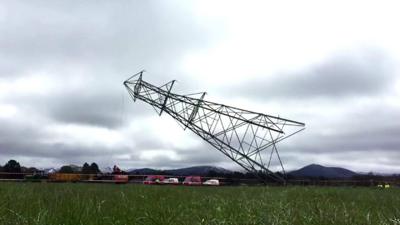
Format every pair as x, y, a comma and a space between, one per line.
75, 204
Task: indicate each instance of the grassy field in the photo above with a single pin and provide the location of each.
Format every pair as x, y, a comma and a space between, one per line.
86, 204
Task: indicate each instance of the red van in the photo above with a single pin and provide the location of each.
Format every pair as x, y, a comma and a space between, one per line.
154, 179
192, 181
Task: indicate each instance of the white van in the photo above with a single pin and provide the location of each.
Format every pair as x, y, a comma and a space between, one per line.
212, 182
171, 180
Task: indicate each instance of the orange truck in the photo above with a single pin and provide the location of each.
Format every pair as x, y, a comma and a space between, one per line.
64, 177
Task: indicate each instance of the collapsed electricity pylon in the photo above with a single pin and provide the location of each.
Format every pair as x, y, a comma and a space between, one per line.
248, 138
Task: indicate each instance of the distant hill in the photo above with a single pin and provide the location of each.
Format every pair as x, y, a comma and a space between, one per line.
144, 171
195, 170
309, 171
198, 170
315, 170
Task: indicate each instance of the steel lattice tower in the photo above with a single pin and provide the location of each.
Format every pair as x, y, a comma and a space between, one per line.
248, 138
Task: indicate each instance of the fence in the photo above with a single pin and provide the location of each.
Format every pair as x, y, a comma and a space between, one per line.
110, 178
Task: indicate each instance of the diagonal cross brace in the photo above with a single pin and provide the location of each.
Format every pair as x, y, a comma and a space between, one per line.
167, 96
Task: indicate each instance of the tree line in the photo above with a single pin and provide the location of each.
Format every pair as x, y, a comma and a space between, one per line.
13, 169
86, 169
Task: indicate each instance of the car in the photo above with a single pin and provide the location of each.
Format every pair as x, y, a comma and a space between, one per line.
192, 181
211, 182
154, 179
171, 180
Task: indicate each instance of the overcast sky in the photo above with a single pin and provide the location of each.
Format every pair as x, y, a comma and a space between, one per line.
333, 65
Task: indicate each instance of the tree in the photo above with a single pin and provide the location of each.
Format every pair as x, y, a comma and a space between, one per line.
66, 169
116, 170
12, 166
94, 168
86, 168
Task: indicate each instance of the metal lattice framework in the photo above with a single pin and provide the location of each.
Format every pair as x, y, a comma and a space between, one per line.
248, 138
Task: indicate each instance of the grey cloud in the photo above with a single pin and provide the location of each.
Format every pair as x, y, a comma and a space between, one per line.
363, 73
201, 155
31, 150
374, 128
106, 45
17, 133
367, 136
94, 109
110, 107
124, 37
29, 139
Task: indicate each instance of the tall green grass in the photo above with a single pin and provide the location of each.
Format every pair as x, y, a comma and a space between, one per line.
87, 204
